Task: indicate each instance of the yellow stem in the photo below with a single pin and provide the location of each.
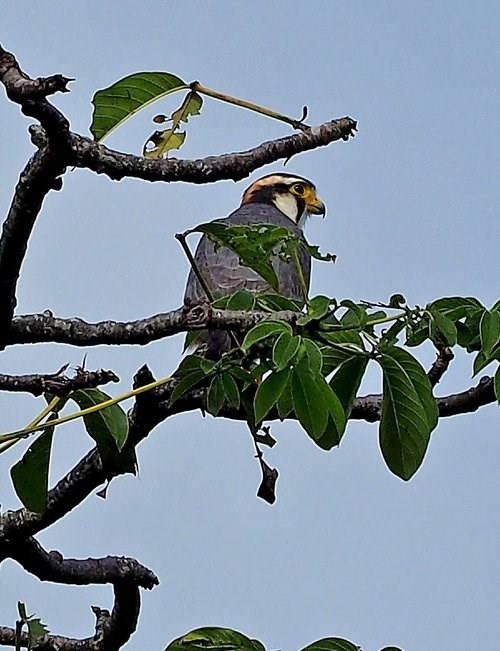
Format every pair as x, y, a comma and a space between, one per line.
89, 410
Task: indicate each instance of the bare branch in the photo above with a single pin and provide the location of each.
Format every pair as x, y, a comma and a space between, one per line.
112, 631
38, 328
38, 177
51, 566
89, 154
56, 383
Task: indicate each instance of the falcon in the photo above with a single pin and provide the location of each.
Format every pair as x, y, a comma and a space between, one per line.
277, 199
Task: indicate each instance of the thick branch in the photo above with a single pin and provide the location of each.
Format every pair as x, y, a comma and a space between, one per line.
51, 566
37, 179
56, 383
438, 369
89, 154
38, 328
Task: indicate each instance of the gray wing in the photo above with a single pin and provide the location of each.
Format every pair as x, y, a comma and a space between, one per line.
225, 275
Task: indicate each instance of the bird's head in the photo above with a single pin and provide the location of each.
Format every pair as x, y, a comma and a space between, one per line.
293, 195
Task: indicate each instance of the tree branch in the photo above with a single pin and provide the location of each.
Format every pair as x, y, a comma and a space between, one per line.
56, 383
438, 369
38, 328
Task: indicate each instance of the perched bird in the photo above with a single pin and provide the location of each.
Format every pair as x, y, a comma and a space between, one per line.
277, 199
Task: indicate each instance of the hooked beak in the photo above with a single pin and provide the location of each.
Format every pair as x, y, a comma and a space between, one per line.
315, 206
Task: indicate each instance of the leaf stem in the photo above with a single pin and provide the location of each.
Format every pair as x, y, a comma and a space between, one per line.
296, 124
23, 433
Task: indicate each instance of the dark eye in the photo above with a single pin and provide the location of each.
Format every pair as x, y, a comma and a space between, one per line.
299, 189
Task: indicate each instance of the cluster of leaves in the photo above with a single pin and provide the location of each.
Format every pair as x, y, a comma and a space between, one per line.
312, 372
226, 639
124, 98
107, 426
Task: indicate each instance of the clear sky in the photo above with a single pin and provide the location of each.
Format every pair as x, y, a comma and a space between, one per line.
348, 549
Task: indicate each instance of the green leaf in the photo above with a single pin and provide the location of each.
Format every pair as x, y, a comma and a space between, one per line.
256, 244
317, 308
315, 253
332, 644
347, 379
160, 143
30, 475
214, 638
409, 412
231, 391
275, 302
496, 384
285, 348
444, 327
312, 354
269, 392
308, 403
489, 328
336, 420
241, 300
186, 383
262, 331
109, 426
215, 396
285, 401
36, 630
121, 100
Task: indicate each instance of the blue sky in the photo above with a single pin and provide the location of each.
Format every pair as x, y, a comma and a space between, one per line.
348, 549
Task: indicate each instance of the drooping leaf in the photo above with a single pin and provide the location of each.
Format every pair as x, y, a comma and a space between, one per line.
231, 391
269, 392
336, 419
444, 327
312, 355
332, 644
347, 379
285, 348
186, 383
285, 401
263, 330
190, 106
215, 395
308, 403
489, 330
30, 475
214, 638
121, 100
409, 412
109, 426
160, 143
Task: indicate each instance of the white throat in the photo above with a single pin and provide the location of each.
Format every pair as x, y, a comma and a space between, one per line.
287, 204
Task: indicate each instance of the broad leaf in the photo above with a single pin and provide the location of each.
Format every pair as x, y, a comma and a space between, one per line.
444, 327
269, 392
30, 475
308, 403
311, 355
275, 302
317, 308
263, 330
332, 644
241, 300
336, 419
489, 329
121, 100
109, 426
285, 402
231, 391
285, 348
213, 638
347, 379
186, 383
190, 106
215, 395
409, 412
